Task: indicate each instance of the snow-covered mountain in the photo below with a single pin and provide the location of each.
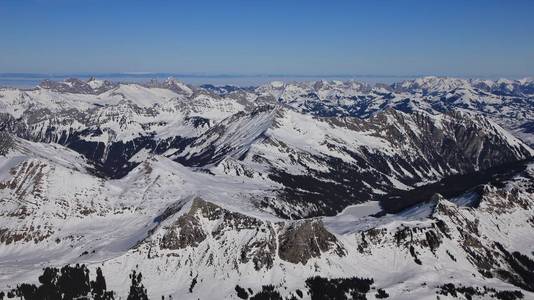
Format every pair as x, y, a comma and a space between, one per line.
226, 192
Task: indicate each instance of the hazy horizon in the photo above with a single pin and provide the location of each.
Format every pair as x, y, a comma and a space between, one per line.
33, 80
29, 80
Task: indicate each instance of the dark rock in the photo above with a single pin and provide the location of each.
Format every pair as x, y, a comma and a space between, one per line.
301, 241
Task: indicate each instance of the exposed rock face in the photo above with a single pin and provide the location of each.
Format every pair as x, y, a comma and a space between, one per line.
261, 251
188, 231
412, 240
77, 86
486, 253
185, 232
422, 148
467, 228
27, 180
31, 234
467, 142
6, 142
300, 241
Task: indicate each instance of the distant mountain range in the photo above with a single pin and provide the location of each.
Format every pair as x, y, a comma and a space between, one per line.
284, 190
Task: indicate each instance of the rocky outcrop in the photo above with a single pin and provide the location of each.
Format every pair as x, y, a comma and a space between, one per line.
31, 234
28, 180
485, 251
6, 143
417, 147
261, 251
188, 231
77, 86
297, 241
301, 241
185, 232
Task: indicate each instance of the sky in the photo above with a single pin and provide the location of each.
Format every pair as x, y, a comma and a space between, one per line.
378, 37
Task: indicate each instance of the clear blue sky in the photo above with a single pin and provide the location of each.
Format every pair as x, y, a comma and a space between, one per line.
462, 38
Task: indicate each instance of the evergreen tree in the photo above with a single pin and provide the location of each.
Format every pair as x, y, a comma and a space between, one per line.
74, 281
137, 290
98, 287
26, 291
69, 283
48, 289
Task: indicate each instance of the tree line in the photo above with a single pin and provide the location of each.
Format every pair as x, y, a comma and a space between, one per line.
73, 282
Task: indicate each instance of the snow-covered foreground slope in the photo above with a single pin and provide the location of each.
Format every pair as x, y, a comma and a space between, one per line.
174, 226
215, 193
409, 254
162, 221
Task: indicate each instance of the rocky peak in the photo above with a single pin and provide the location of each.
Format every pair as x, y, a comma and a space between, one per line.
177, 86
302, 240
77, 86
298, 241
